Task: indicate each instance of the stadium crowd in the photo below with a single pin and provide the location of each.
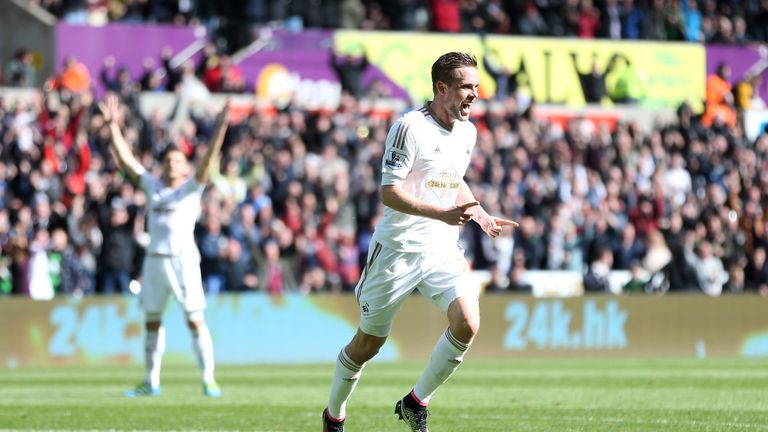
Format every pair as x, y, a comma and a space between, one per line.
294, 198
718, 21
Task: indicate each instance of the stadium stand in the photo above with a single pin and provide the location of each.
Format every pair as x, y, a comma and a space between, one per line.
295, 196
732, 22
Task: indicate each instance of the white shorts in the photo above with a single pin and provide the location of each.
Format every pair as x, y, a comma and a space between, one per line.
391, 276
177, 275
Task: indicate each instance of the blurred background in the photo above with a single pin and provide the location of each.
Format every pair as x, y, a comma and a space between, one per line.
627, 137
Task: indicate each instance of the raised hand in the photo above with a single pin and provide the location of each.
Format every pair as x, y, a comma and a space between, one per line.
110, 108
226, 110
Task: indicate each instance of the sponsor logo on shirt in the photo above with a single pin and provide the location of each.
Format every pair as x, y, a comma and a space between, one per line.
163, 210
445, 185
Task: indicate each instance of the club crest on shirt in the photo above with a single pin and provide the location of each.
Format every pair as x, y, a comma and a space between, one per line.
395, 159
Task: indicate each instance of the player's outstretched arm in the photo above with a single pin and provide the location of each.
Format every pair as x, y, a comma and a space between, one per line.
214, 146
397, 198
110, 109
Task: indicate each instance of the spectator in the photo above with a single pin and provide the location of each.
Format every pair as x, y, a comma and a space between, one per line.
593, 82
122, 83
20, 72
719, 107
634, 23
212, 241
630, 87
275, 277
75, 76
445, 15
629, 19
531, 23
588, 20
637, 281
349, 69
506, 80
747, 93
756, 274
677, 181
596, 279
691, 20
709, 269
68, 276
239, 270
352, 14
674, 22
117, 223
40, 282
628, 250
223, 76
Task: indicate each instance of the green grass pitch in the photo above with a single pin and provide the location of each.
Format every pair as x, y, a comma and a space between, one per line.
518, 395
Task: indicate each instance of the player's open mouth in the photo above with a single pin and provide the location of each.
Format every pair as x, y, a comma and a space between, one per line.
465, 107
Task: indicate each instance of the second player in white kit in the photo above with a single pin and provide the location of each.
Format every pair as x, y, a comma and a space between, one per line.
172, 263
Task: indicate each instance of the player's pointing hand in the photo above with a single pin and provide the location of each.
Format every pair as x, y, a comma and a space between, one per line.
459, 215
498, 226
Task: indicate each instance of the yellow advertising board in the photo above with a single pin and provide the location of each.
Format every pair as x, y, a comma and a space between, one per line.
548, 68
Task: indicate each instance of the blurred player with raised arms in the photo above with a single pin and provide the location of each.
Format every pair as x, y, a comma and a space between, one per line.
172, 262
415, 245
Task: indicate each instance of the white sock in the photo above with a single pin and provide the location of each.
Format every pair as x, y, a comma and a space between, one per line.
154, 347
345, 378
201, 339
446, 358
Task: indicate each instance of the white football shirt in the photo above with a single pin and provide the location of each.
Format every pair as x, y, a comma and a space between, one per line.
173, 213
428, 161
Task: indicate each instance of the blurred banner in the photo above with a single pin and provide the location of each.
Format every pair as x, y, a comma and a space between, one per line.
129, 44
545, 69
300, 66
280, 65
255, 328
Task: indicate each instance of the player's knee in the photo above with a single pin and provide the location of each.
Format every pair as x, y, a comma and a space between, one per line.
364, 348
465, 327
152, 320
470, 324
195, 320
363, 352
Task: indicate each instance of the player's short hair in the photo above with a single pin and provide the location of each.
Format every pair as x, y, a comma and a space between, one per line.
171, 148
444, 68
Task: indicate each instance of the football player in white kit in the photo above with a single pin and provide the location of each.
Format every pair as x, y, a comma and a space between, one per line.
172, 262
415, 245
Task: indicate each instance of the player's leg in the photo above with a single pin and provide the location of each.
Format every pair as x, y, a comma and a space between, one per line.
203, 345
447, 286
349, 368
380, 294
448, 353
153, 296
187, 285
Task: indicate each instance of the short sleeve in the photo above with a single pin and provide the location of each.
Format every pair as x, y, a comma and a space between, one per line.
399, 153
148, 183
